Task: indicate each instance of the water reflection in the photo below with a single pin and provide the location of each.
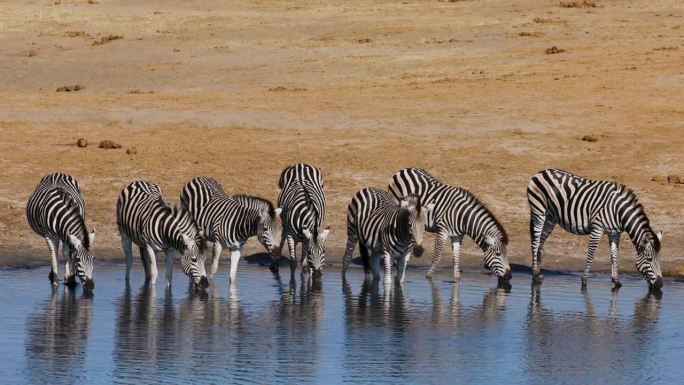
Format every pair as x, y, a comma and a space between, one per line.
57, 335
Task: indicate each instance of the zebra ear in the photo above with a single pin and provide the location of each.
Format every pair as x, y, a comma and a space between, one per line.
307, 234
278, 211
91, 237
325, 233
189, 242
659, 234
74, 241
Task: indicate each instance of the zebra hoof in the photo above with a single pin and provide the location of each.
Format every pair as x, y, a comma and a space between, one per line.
538, 278
71, 281
616, 284
53, 278
584, 283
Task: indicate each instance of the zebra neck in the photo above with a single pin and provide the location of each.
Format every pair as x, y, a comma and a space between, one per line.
478, 223
638, 229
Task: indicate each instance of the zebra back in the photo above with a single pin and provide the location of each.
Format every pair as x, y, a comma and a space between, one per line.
302, 198
412, 180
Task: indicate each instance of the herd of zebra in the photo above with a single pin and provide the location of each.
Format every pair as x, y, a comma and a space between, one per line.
388, 225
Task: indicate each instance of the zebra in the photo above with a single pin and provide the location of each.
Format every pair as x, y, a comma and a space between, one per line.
146, 218
229, 221
591, 207
457, 213
56, 211
386, 229
303, 202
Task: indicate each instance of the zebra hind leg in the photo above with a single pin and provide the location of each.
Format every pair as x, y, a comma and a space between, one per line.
53, 245
366, 259
437, 254
69, 276
348, 252
594, 239
540, 229
614, 243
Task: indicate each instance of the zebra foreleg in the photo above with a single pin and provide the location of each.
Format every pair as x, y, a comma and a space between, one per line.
594, 239
388, 267
401, 266
440, 238
365, 258
234, 259
217, 249
291, 244
69, 277
540, 229
614, 243
170, 257
375, 266
456, 254
152, 258
53, 245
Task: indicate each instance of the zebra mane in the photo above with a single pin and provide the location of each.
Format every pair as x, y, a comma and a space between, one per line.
413, 199
259, 202
73, 206
631, 195
481, 206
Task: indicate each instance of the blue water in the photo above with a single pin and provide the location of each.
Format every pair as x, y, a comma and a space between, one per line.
267, 331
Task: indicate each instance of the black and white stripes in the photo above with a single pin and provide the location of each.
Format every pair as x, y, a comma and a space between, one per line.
590, 207
145, 218
303, 202
229, 221
457, 213
384, 230
56, 211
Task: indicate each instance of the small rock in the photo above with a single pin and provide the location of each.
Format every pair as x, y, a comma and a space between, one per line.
554, 50
659, 179
70, 88
131, 151
589, 138
82, 142
675, 179
108, 144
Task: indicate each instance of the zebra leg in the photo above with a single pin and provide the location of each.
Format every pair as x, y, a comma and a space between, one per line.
388, 267
69, 277
365, 258
128, 254
614, 243
351, 242
306, 269
594, 239
170, 257
375, 266
53, 245
234, 259
291, 245
456, 254
145, 262
401, 266
217, 249
440, 238
152, 259
540, 229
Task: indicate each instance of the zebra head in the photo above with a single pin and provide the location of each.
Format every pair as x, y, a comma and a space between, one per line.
270, 231
648, 262
495, 257
418, 218
315, 247
192, 263
82, 258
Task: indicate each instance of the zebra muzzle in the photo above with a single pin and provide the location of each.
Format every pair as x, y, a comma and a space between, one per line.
203, 283
89, 284
418, 250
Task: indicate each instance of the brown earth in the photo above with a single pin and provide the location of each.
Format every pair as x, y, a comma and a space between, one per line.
357, 88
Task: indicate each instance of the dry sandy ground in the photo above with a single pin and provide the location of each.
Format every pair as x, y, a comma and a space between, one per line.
358, 88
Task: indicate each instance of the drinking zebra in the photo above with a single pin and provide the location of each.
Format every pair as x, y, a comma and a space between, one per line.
590, 207
145, 218
457, 213
303, 202
56, 211
229, 221
385, 229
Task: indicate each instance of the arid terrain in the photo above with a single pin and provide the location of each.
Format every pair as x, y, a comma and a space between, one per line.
473, 91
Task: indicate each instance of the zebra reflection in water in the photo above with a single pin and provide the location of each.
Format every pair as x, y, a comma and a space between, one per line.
58, 335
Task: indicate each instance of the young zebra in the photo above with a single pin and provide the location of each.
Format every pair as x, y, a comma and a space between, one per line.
145, 218
385, 229
230, 221
303, 201
589, 207
457, 213
56, 211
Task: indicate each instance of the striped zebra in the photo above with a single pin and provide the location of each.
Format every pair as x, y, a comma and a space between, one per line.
303, 202
385, 229
590, 207
229, 221
457, 213
56, 211
145, 218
